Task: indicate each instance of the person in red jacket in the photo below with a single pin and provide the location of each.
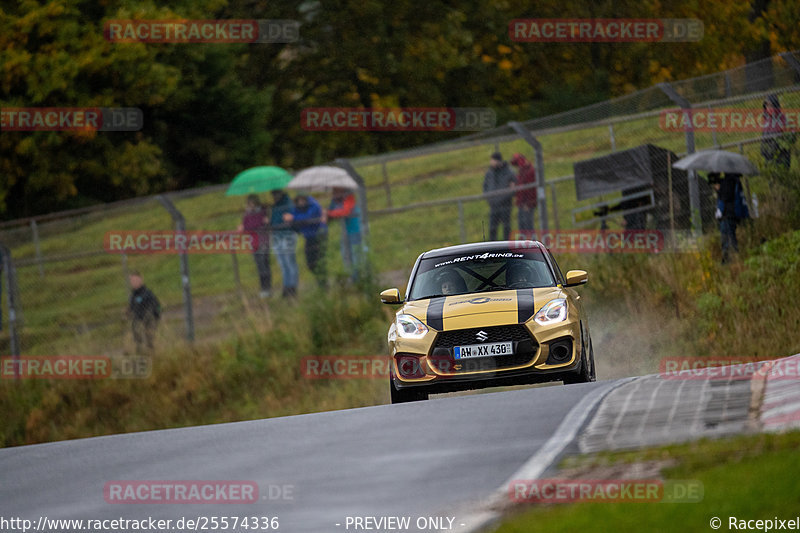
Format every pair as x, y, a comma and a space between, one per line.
526, 198
344, 206
254, 222
775, 143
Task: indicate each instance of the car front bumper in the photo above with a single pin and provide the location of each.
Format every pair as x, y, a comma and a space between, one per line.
427, 365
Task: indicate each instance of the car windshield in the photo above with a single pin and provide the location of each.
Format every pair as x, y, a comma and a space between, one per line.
481, 272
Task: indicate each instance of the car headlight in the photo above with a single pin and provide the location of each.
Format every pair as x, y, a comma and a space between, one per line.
409, 327
554, 311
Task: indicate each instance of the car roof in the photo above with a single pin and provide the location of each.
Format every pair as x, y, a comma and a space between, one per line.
481, 247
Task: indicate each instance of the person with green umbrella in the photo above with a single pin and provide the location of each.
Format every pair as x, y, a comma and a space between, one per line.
258, 179
284, 240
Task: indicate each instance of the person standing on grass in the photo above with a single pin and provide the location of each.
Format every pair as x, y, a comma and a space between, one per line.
343, 205
144, 311
731, 209
774, 142
284, 242
526, 198
254, 222
499, 177
308, 219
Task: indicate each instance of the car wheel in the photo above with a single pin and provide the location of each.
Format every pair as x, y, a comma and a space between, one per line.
586, 372
593, 373
406, 395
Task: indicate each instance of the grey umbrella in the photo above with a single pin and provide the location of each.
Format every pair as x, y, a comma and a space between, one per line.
717, 161
322, 178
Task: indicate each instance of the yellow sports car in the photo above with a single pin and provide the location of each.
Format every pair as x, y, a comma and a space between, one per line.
484, 315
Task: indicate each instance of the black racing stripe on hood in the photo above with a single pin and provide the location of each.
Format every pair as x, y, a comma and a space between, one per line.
525, 305
435, 314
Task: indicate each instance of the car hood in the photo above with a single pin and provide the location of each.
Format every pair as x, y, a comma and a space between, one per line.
482, 309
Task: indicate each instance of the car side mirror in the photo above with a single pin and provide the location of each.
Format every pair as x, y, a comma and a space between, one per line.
576, 277
391, 296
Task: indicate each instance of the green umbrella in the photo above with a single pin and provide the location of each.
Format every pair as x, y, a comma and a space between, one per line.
258, 179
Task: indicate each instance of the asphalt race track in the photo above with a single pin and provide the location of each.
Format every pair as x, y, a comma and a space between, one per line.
448, 458
406, 460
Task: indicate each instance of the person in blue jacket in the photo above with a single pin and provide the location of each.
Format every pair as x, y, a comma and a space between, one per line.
284, 242
308, 219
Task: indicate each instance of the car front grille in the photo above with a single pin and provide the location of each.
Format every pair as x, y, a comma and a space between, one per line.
525, 348
460, 337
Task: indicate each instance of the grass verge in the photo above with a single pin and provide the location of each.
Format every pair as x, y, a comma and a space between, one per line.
255, 372
749, 477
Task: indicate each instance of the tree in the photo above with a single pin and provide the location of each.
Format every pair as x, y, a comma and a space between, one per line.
200, 122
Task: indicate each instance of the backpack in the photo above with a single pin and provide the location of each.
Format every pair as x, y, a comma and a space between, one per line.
740, 209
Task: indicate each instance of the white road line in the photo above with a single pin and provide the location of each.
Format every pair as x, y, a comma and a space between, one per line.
674, 408
565, 434
786, 408
534, 467
649, 410
483, 517
696, 424
622, 412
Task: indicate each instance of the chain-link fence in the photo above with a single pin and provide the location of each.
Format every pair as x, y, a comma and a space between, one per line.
589, 133
604, 165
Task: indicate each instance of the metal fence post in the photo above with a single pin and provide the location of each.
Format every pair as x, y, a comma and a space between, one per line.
555, 206
713, 131
180, 225
362, 195
611, 137
37, 246
236, 277
694, 190
11, 299
386, 185
541, 194
792, 61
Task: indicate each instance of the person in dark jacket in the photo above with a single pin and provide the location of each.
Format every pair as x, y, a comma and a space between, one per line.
144, 310
774, 141
526, 198
284, 242
308, 219
498, 177
727, 190
254, 222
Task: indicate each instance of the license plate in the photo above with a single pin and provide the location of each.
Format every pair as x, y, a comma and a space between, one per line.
483, 350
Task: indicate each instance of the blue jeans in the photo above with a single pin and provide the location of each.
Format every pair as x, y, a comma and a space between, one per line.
261, 257
351, 252
284, 245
